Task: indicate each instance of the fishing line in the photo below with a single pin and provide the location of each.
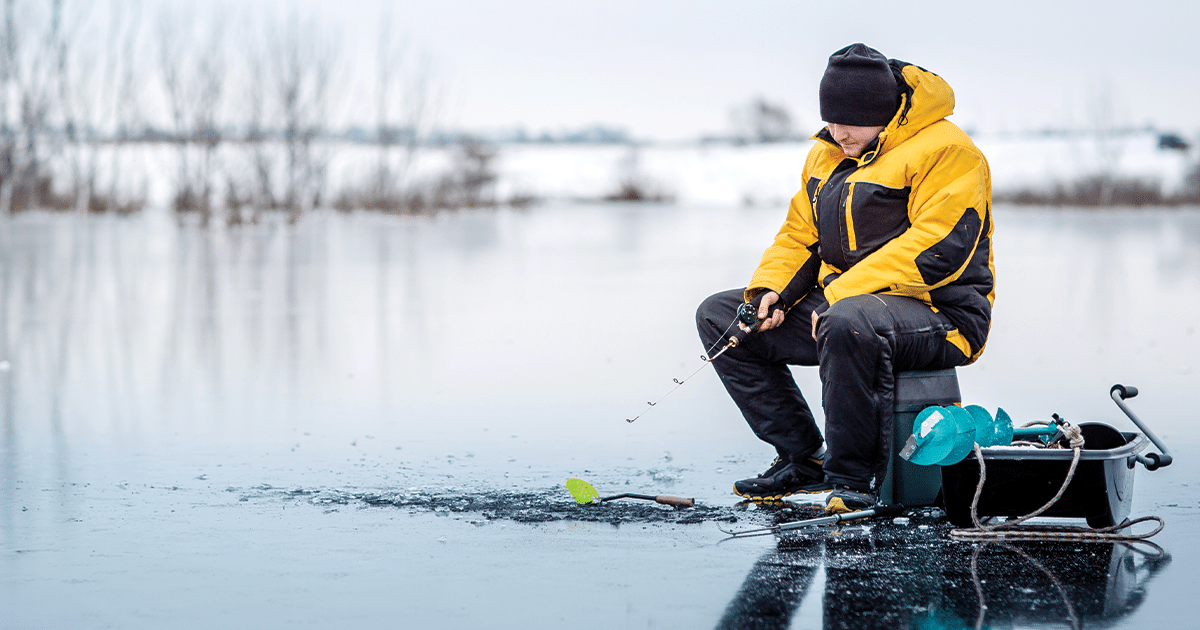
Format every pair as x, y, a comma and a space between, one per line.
707, 357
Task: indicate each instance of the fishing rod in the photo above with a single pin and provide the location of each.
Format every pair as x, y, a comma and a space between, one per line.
744, 322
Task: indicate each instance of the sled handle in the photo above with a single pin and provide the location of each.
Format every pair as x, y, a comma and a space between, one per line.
1152, 461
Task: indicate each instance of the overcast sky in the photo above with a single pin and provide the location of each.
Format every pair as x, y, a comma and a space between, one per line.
673, 69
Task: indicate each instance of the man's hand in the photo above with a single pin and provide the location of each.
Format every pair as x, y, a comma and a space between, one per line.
815, 317
764, 307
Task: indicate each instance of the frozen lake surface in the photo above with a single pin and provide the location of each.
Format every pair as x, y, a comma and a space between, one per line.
366, 421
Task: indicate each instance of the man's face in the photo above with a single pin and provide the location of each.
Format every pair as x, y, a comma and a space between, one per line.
853, 139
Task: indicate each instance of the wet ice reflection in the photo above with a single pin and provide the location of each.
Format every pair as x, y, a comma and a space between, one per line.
860, 578
132, 328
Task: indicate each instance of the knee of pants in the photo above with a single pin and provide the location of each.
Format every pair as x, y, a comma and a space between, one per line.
716, 312
854, 323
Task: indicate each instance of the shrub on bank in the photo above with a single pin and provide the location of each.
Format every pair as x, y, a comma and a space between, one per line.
1106, 191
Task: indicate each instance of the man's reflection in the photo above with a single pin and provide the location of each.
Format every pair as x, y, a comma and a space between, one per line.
774, 588
910, 577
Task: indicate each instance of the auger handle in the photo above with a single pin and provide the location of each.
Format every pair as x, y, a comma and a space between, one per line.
1152, 461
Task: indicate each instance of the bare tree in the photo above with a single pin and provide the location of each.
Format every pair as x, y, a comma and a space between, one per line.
389, 57
86, 74
261, 193
302, 63
288, 74
29, 69
475, 175
406, 105
1109, 147
72, 88
193, 67
420, 104
7, 132
127, 112
762, 121
96, 103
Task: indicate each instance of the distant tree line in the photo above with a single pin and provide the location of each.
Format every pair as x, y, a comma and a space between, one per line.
238, 103
231, 104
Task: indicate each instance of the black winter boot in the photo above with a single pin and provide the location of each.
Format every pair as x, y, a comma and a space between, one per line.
785, 478
844, 499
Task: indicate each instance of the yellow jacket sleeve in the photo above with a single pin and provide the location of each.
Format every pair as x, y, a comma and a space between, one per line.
791, 261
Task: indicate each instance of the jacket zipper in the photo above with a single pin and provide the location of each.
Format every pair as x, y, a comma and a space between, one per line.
813, 203
850, 239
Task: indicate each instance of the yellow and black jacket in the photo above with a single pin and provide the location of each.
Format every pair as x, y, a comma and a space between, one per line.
911, 217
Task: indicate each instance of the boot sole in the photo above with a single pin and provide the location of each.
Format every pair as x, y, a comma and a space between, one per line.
837, 506
777, 497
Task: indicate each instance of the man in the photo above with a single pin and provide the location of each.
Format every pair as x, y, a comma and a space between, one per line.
884, 264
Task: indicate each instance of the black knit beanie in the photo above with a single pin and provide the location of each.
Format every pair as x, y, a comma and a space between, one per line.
858, 88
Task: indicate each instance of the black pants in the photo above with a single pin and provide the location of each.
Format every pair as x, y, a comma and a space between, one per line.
861, 343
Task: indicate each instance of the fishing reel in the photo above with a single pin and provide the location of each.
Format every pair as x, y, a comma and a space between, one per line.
747, 321
747, 314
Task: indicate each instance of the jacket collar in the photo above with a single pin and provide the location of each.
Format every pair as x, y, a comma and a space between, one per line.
925, 99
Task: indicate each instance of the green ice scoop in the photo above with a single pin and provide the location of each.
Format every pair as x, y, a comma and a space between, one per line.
585, 494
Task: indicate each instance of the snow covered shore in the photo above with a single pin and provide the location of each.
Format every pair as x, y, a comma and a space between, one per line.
770, 173
693, 173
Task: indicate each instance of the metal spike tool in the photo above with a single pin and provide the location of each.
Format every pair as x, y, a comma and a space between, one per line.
880, 510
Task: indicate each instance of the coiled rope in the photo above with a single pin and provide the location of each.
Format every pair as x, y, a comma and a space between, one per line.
1014, 530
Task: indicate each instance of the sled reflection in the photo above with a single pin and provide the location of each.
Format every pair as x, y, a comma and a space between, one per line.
923, 581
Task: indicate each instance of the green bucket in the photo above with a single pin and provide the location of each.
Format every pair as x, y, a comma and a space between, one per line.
908, 483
